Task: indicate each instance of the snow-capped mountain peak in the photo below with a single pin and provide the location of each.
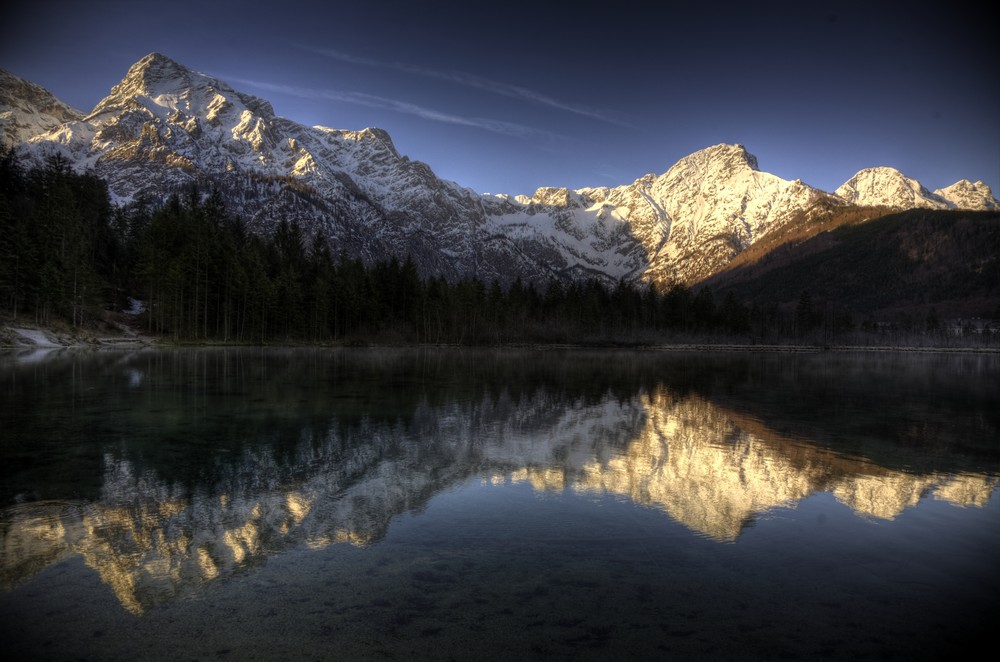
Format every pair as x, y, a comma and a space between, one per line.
153, 74
158, 81
676, 227
718, 202
964, 194
722, 158
888, 187
885, 186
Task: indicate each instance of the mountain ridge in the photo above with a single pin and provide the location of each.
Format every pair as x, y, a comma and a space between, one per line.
165, 127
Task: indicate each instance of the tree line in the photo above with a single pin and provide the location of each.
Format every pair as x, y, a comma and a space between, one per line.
58, 248
67, 253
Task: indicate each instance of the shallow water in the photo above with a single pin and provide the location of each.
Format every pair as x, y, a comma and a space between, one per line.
362, 504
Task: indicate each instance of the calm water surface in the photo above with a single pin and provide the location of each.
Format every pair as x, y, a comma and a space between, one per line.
404, 504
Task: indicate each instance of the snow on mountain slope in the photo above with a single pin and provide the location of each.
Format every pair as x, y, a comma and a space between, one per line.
680, 226
27, 110
964, 194
165, 127
574, 238
888, 187
708, 207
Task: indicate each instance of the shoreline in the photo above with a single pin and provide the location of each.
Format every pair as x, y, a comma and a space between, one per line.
33, 338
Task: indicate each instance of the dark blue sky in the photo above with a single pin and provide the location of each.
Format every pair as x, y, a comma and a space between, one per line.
511, 96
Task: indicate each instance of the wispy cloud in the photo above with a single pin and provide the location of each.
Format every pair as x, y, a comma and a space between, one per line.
361, 99
474, 82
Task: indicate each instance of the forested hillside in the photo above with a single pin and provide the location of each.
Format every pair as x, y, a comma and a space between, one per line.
201, 276
915, 265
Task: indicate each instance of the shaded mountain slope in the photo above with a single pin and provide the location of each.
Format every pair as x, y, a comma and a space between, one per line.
904, 262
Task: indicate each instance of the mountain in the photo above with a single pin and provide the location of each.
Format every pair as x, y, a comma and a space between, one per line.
27, 110
888, 187
708, 208
964, 194
165, 127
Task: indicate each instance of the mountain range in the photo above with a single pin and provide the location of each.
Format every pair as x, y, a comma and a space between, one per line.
165, 127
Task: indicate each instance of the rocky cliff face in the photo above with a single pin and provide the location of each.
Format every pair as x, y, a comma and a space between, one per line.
165, 127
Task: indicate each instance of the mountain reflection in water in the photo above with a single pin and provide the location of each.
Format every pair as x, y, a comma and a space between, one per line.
211, 461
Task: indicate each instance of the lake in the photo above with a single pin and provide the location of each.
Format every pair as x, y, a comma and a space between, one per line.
262, 504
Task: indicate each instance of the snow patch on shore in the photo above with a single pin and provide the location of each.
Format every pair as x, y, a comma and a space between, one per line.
35, 337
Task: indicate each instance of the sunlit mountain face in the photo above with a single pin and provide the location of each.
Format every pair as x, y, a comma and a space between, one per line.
167, 472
